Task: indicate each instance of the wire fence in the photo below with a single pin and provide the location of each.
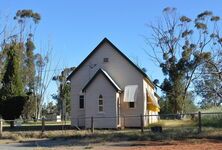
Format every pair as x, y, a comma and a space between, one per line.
154, 123
37, 125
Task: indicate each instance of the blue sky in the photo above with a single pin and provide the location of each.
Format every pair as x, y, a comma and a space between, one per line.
74, 27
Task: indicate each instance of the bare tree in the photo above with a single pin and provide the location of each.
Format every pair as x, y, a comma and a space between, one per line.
5, 36
44, 74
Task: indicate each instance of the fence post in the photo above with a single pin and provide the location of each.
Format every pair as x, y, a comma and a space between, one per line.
92, 125
43, 124
65, 126
62, 125
142, 123
1, 126
199, 122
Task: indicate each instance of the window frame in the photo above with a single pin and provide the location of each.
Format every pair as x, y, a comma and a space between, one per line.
81, 101
100, 105
105, 59
134, 105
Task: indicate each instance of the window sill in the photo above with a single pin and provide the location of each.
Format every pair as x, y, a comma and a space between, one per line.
131, 107
101, 112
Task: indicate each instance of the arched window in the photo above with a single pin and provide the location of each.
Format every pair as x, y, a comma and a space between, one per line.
100, 103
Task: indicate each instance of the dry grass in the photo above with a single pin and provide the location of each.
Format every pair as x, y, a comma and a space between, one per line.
174, 123
114, 135
172, 129
39, 123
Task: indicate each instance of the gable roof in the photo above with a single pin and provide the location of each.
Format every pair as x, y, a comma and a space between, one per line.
115, 48
107, 76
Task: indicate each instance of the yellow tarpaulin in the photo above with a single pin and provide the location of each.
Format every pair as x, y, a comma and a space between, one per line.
152, 104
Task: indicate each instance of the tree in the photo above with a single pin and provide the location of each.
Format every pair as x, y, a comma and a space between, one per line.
48, 109
189, 103
30, 65
12, 108
44, 75
41, 83
209, 84
29, 108
183, 44
23, 18
12, 82
33, 68
166, 107
28, 18
3, 40
29, 69
63, 97
12, 96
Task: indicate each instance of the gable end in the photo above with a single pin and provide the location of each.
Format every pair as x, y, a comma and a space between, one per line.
111, 81
114, 47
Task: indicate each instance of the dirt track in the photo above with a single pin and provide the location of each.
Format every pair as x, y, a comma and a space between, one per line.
202, 144
194, 144
176, 145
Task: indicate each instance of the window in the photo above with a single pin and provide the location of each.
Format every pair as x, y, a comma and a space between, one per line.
105, 59
131, 104
100, 103
81, 101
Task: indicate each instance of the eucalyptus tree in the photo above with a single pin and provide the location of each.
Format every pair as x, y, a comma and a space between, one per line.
28, 20
17, 57
63, 97
209, 84
180, 45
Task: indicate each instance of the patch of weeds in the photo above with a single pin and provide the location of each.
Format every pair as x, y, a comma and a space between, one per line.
88, 147
16, 137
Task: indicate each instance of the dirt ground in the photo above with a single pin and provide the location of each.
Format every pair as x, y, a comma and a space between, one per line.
61, 144
200, 144
175, 145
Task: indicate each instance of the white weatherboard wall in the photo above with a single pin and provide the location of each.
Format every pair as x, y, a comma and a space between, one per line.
125, 74
151, 119
121, 71
107, 118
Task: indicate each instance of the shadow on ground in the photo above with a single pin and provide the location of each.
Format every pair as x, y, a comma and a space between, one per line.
118, 142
